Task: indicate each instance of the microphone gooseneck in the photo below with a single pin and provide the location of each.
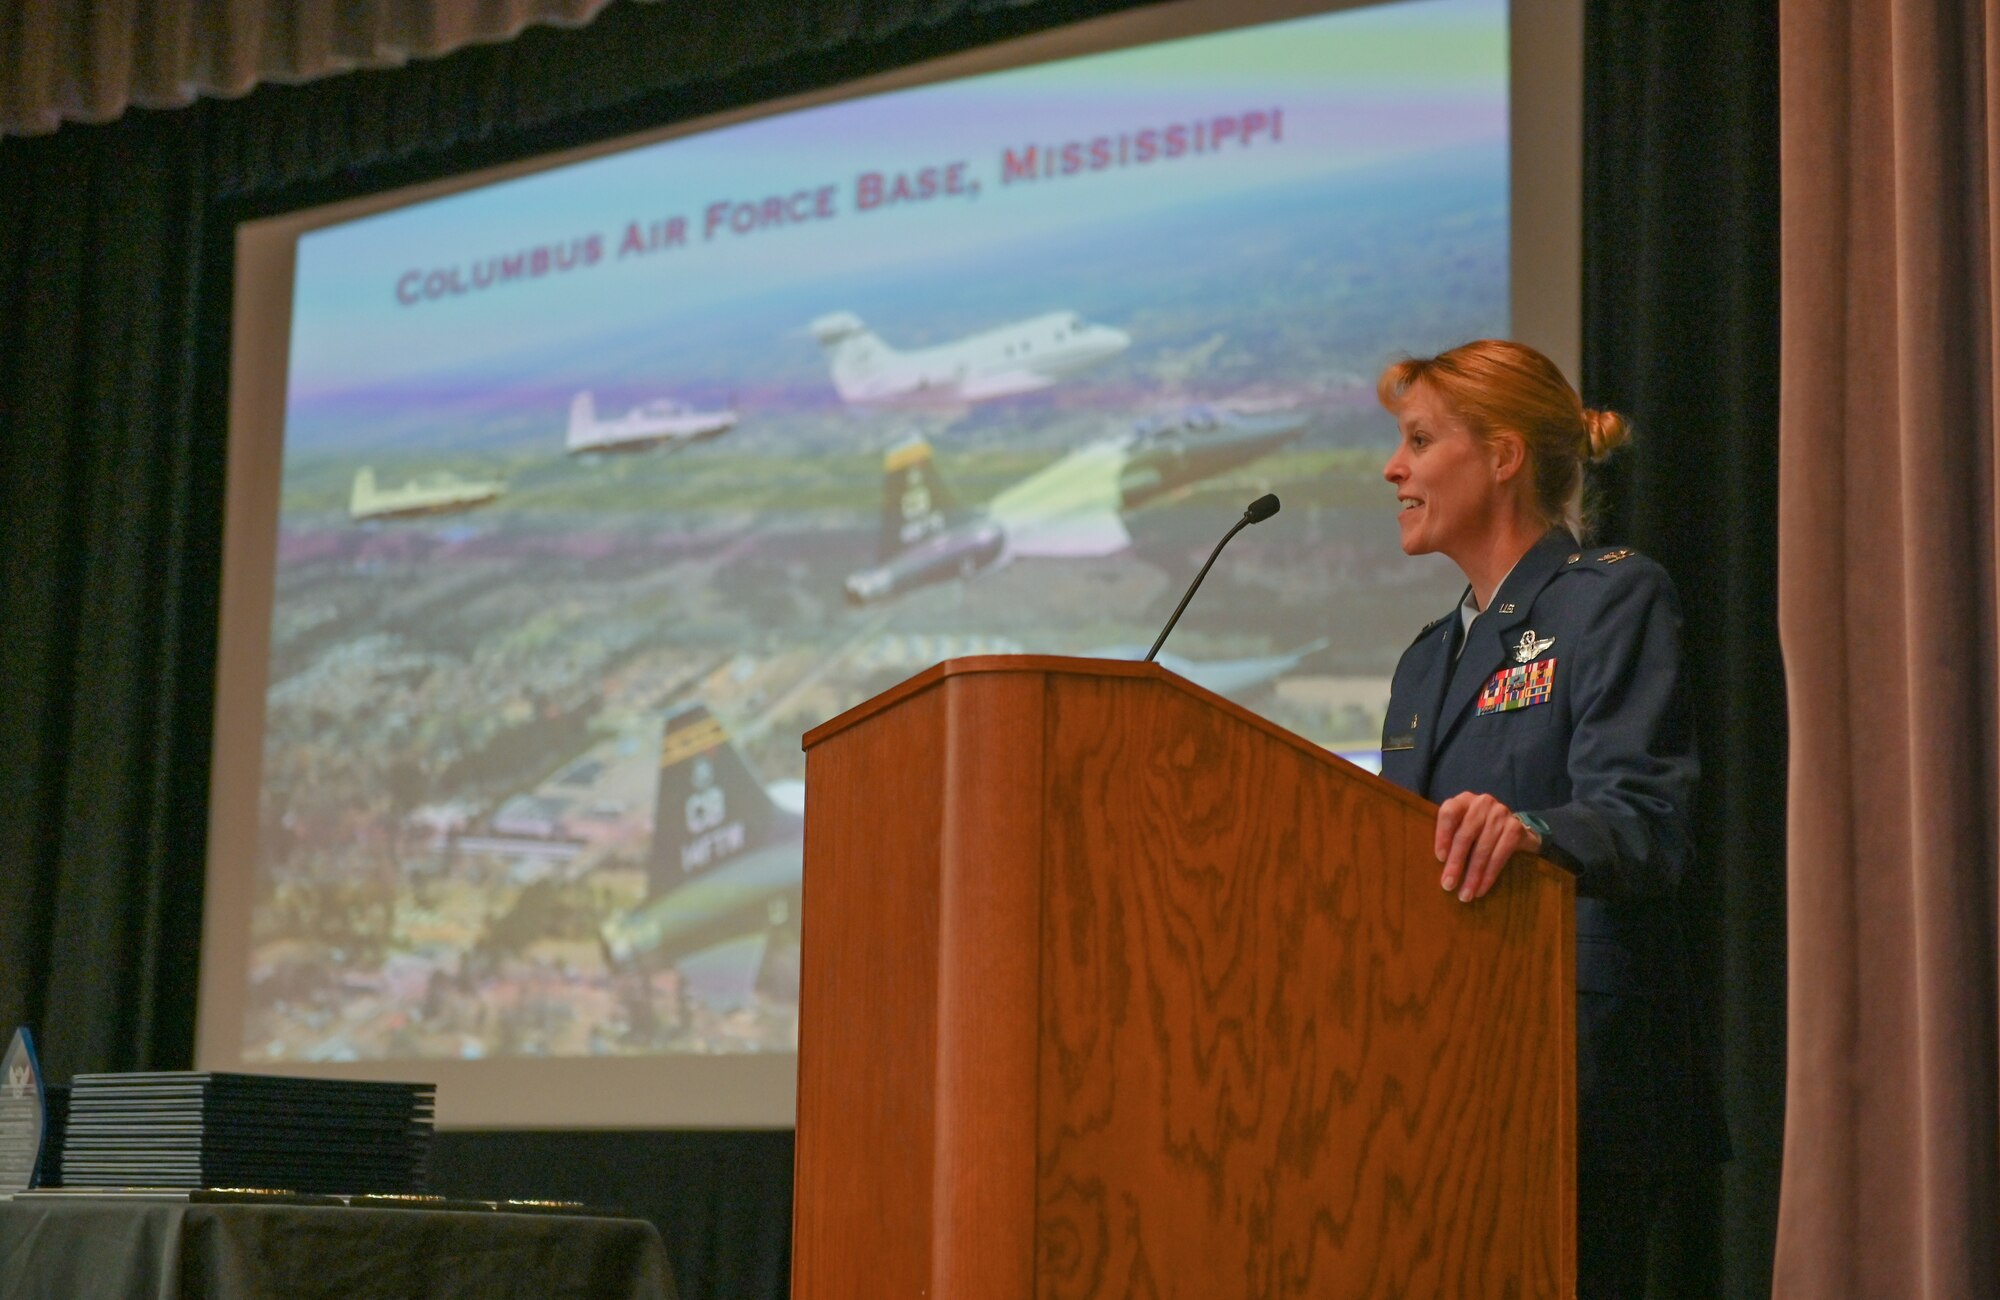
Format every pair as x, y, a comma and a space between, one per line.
1256, 513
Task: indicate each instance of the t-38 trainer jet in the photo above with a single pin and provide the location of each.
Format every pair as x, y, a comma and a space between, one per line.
1073, 508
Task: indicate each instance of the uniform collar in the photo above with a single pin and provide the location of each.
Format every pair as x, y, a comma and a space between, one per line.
1488, 643
1515, 595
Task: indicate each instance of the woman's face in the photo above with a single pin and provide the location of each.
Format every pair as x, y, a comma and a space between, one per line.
1445, 477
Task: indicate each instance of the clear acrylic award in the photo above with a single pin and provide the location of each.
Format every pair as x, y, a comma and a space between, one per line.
23, 1118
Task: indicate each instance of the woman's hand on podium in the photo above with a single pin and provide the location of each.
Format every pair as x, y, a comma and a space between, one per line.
1476, 835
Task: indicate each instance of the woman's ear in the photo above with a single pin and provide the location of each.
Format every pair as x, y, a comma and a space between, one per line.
1510, 455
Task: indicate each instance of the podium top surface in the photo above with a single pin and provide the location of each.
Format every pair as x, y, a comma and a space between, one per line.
1037, 666
1072, 666
1075, 666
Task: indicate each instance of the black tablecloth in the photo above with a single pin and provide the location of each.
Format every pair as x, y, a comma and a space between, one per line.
139, 1250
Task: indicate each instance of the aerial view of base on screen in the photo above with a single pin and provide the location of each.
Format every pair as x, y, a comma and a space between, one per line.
603, 484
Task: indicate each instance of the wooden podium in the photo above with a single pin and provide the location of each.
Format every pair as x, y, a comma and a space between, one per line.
1112, 988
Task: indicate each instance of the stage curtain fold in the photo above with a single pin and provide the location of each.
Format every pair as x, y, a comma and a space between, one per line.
91, 62
109, 486
1887, 605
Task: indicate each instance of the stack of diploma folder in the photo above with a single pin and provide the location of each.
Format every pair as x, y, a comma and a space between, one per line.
186, 1129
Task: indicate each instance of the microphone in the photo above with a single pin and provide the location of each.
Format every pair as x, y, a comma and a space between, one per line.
1256, 513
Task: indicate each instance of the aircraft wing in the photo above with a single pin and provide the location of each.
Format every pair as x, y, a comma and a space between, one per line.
1007, 383
1073, 536
1068, 509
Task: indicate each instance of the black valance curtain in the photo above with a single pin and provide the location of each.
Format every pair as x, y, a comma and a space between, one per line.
115, 265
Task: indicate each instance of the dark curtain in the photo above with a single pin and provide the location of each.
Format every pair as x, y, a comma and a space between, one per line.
1681, 332
723, 1201
110, 475
115, 264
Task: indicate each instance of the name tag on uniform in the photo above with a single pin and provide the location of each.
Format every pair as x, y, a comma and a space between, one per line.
1406, 740
1519, 687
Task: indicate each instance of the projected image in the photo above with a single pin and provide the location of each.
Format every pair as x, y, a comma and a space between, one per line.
603, 485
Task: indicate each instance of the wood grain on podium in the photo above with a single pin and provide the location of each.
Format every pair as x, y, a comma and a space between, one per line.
1112, 988
1260, 1076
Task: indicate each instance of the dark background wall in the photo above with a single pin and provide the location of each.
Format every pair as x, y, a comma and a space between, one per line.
115, 266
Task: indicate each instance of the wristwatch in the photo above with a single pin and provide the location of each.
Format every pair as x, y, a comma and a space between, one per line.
1538, 826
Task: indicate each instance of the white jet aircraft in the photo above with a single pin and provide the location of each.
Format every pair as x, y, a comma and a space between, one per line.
1022, 357
662, 423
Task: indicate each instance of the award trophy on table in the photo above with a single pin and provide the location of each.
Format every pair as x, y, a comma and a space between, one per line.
22, 1115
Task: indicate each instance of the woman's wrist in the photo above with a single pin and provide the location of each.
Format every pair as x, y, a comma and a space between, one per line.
1536, 827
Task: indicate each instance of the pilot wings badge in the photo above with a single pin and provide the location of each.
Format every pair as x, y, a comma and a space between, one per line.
1530, 646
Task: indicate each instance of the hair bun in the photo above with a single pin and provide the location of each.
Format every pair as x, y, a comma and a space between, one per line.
1608, 432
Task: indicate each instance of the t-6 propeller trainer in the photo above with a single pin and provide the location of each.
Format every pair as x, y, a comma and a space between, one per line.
663, 423
435, 494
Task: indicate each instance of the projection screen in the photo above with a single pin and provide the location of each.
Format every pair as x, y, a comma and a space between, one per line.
562, 499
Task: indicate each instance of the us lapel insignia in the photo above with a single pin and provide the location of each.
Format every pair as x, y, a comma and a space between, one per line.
1531, 646
1519, 687
1507, 608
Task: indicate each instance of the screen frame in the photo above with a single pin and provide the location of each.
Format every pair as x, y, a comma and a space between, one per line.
751, 1090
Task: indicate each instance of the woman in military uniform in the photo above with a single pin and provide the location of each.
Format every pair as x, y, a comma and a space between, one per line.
1548, 714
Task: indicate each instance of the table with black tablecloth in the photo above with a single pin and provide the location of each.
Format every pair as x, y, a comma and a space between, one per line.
101, 1248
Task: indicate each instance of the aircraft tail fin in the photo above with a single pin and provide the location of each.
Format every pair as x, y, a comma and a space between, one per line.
364, 490
582, 418
915, 501
711, 807
853, 352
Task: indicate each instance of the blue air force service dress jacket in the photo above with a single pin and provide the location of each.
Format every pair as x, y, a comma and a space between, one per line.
1568, 703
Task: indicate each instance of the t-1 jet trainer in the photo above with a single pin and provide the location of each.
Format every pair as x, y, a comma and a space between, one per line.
1021, 357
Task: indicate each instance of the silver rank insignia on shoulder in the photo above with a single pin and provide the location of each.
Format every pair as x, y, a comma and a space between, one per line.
1612, 557
1530, 646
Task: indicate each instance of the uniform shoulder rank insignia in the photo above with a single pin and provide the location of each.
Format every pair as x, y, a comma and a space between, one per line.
1430, 627
1612, 557
1520, 687
1530, 646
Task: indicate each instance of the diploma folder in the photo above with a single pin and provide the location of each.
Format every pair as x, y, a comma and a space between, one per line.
190, 1129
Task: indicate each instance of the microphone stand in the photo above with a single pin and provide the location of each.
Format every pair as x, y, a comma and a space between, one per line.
1257, 513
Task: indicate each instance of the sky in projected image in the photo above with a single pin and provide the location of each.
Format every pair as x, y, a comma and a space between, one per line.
603, 485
